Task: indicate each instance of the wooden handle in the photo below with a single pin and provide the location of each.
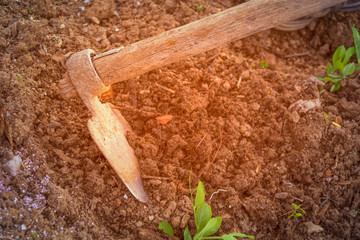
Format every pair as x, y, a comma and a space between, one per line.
202, 35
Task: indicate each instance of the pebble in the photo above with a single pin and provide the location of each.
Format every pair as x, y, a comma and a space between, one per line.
311, 228
95, 20
281, 195
353, 213
295, 117
13, 165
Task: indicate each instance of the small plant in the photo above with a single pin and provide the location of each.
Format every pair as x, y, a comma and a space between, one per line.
296, 212
340, 68
263, 64
20, 78
205, 224
199, 8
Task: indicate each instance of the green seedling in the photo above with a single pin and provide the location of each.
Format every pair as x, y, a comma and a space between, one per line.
296, 213
199, 8
263, 64
357, 46
29, 11
20, 78
340, 68
206, 225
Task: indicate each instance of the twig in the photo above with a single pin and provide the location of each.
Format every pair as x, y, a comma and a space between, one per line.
137, 111
155, 177
238, 82
201, 141
298, 55
165, 88
220, 190
323, 211
336, 162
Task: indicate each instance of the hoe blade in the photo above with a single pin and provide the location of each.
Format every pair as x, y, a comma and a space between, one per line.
107, 127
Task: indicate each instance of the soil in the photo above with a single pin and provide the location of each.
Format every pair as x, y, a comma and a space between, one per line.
259, 138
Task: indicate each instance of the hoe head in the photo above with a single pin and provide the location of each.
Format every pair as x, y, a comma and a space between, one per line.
107, 126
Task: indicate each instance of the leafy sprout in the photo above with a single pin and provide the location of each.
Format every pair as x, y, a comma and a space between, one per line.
297, 211
263, 64
340, 68
20, 78
199, 8
206, 225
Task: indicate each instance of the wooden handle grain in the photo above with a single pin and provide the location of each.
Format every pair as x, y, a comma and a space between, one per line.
202, 35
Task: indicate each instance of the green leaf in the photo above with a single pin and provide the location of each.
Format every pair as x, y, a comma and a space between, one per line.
231, 236
295, 206
200, 194
203, 214
298, 214
330, 68
211, 227
187, 235
349, 52
326, 79
334, 75
335, 87
349, 69
167, 228
338, 56
357, 43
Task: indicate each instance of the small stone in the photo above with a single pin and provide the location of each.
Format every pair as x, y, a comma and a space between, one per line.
312, 228
95, 20
295, 117
255, 106
151, 217
13, 165
155, 182
23, 227
281, 195
353, 213
175, 222
184, 220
